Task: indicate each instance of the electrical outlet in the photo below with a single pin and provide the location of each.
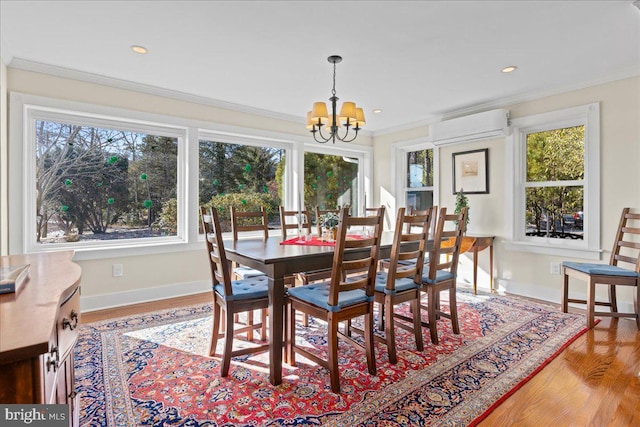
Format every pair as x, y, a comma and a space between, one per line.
117, 270
555, 268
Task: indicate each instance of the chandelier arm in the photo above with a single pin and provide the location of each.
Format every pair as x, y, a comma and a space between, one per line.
352, 139
323, 139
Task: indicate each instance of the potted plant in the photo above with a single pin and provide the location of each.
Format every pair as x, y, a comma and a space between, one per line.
462, 202
329, 222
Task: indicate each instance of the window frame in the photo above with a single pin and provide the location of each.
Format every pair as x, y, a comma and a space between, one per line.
515, 182
22, 170
400, 152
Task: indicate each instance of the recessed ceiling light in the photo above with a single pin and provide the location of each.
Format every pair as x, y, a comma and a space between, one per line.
509, 69
139, 49
377, 111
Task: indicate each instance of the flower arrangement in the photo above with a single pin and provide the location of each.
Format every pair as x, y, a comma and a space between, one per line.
329, 220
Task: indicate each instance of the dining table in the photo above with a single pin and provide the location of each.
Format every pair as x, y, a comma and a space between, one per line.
277, 261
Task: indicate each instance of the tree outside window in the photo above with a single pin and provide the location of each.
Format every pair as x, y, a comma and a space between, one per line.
96, 183
419, 180
554, 185
245, 176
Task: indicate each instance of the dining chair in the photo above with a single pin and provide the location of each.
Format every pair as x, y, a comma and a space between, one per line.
243, 222
231, 296
433, 215
401, 282
441, 273
291, 220
626, 249
341, 299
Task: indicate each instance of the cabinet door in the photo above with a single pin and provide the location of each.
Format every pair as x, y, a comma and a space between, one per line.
66, 389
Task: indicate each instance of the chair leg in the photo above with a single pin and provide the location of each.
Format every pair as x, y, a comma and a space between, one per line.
249, 323
417, 322
432, 314
291, 331
263, 328
565, 294
591, 301
216, 329
612, 298
332, 350
380, 316
368, 341
389, 332
453, 310
228, 345
305, 320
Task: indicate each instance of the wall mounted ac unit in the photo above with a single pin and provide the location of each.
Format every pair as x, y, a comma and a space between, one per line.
489, 124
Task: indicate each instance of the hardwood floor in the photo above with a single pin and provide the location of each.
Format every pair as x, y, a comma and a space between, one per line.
593, 382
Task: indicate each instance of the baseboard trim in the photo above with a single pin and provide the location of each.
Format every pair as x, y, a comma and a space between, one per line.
138, 296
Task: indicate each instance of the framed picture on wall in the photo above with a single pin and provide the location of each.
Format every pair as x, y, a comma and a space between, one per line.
471, 171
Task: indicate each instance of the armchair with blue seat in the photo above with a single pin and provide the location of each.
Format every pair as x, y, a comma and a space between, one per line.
626, 250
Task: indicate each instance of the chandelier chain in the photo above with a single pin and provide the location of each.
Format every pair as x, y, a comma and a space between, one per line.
333, 91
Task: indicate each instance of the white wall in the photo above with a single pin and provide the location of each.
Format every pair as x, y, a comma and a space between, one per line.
525, 273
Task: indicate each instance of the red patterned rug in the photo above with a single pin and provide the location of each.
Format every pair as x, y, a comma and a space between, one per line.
153, 369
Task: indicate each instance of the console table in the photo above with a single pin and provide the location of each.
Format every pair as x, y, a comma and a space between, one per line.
38, 332
476, 243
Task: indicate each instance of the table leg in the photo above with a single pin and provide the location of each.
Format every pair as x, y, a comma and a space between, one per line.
491, 266
276, 305
475, 269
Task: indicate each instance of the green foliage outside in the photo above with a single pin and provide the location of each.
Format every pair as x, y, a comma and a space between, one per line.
555, 155
247, 202
329, 181
96, 179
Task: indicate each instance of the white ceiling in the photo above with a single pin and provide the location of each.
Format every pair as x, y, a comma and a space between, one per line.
417, 61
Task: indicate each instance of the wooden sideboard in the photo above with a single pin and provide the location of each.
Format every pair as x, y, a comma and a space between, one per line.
38, 332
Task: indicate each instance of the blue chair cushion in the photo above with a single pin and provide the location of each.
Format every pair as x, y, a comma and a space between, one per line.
252, 288
402, 284
441, 275
599, 269
318, 294
246, 272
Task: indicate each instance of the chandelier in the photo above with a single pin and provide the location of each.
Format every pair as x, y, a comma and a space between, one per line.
350, 117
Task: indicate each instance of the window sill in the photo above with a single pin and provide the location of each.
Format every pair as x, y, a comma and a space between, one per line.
556, 250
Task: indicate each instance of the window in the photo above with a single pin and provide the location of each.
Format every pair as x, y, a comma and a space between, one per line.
419, 182
331, 181
555, 159
109, 182
97, 180
242, 175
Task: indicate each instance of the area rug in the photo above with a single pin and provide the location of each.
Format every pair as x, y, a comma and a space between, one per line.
154, 369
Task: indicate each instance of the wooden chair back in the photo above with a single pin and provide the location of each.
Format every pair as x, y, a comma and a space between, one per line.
294, 217
447, 241
434, 217
626, 247
215, 248
346, 262
409, 228
249, 221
